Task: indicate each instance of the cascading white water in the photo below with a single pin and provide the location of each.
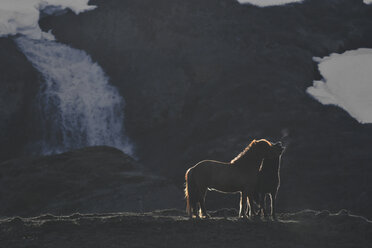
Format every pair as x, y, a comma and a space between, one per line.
79, 107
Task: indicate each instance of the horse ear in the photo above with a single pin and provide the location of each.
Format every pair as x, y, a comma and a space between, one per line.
278, 144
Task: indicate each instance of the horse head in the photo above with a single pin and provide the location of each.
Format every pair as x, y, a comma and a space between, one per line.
268, 149
278, 148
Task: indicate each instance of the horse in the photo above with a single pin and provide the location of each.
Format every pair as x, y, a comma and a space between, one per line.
239, 175
269, 182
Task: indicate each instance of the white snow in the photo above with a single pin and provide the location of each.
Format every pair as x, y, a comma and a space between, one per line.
267, 3
21, 16
347, 83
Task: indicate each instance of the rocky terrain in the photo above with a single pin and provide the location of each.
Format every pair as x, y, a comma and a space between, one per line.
89, 180
170, 228
200, 80
19, 85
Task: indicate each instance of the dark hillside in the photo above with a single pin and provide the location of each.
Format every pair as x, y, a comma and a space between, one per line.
89, 180
19, 83
202, 78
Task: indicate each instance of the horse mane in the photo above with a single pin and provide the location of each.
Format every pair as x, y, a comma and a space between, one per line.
243, 154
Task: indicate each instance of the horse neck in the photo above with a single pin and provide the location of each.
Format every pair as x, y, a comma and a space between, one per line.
271, 166
250, 161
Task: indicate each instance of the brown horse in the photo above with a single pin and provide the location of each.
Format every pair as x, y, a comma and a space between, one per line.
240, 175
269, 182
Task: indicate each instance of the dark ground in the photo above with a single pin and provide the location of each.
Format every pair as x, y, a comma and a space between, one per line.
170, 228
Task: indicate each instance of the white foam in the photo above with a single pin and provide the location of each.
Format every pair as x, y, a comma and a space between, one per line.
79, 106
347, 83
22, 16
267, 3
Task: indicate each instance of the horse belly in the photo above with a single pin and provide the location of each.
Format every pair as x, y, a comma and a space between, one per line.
225, 188
224, 191
222, 178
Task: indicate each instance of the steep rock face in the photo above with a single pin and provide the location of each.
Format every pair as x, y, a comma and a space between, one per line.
202, 78
19, 82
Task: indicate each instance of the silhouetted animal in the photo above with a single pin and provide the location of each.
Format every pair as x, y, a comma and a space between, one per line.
269, 182
240, 175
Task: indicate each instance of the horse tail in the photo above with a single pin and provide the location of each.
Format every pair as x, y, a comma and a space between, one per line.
189, 190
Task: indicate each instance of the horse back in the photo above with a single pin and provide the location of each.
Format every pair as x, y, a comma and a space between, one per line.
223, 177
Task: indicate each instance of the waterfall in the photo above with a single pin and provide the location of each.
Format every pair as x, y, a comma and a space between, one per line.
78, 105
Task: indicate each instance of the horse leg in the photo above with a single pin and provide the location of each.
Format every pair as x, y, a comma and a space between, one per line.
264, 207
270, 204
240, 205
195, 211
249, 206
273, 199
255, 202
202, 205
260, 204
243, 205
195, 205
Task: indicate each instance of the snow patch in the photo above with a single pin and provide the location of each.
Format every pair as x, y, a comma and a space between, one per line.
267, 3
22, 16
347, 83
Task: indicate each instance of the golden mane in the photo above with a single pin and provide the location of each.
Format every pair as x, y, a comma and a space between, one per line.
248, 148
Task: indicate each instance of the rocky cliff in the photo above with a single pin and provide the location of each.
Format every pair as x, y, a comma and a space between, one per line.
19, 83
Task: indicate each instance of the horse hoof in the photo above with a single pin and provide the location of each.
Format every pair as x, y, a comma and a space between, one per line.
196, 217
243, 217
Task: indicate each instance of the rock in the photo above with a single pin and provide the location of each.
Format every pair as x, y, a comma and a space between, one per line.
92, 179
19, 83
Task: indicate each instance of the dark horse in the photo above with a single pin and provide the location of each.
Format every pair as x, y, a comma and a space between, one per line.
269, 182
240, 175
